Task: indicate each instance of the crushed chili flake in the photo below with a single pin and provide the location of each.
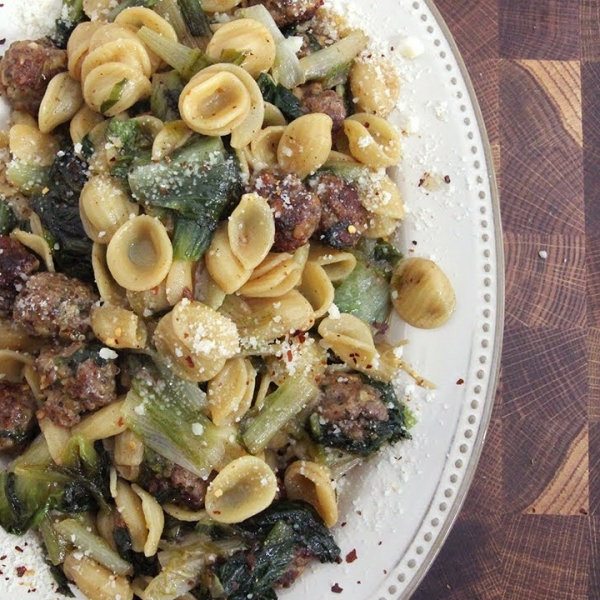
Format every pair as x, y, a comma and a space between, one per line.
460, 381
21, 571
351, 556
336, 589
18, 549
447, 178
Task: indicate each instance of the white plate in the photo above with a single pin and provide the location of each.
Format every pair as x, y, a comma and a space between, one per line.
397, 511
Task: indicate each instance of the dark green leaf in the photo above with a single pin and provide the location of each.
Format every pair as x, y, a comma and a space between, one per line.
280, 96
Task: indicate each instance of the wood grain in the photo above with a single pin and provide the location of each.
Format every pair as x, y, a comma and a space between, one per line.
530, 525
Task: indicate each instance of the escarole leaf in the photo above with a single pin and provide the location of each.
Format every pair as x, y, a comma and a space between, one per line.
167, 413
199, 182
33, 485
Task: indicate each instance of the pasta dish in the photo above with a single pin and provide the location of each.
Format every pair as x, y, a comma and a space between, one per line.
197, 270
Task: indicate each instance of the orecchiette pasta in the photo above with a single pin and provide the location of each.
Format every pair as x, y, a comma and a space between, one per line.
231, 391
305, 144
312, 482
251, 230
242, 489
375, 86
223, 99
118, 327
372, 140
94, 580
60, 103
248, 37
140, 254
196, 340
104, 206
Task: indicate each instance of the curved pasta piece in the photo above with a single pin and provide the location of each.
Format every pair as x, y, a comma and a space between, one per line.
129, 449
276, 275
214, 103
261, 320
129, 505
30, 145
312, 482
114, 87
130, 51
305, 144
104, 206
351, 340
273, 116
380, 226
178, 284
104, 423
140, 254
60, 103
110, 291
375, 86
78, 46
380, 195
94, 580
173, 135
38, 244
196, 340
140, 16
251, 230
244, 132
372, 140
83, 121
15, 338
108, 32
12, 364
317, 288
224, 268
154, 517
56, 438
118, 327
149, 302
248, 37
337, 263
230, 392
421, 293
263, 148
243, 488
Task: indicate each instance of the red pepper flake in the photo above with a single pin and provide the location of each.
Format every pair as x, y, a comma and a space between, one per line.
21, 571
18, 549
447, 178
3, 40
351, 556
336, 589
290, 356
460, 381
189, 361
121, 421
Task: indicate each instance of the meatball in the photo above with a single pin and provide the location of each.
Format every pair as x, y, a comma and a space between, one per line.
343, 217
180, 486
74, 380
290, 12
54, 305
16, 265
296, 209
17, 414
25, 71
315, 99
351, 405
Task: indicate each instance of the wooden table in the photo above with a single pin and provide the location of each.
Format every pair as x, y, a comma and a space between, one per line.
530, 526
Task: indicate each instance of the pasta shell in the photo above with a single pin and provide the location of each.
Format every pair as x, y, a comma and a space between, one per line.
104, 206
372, 140
312, 482
60, 103
251, 230
245, 487
422, 294
305, 144
140, 254
248, 36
